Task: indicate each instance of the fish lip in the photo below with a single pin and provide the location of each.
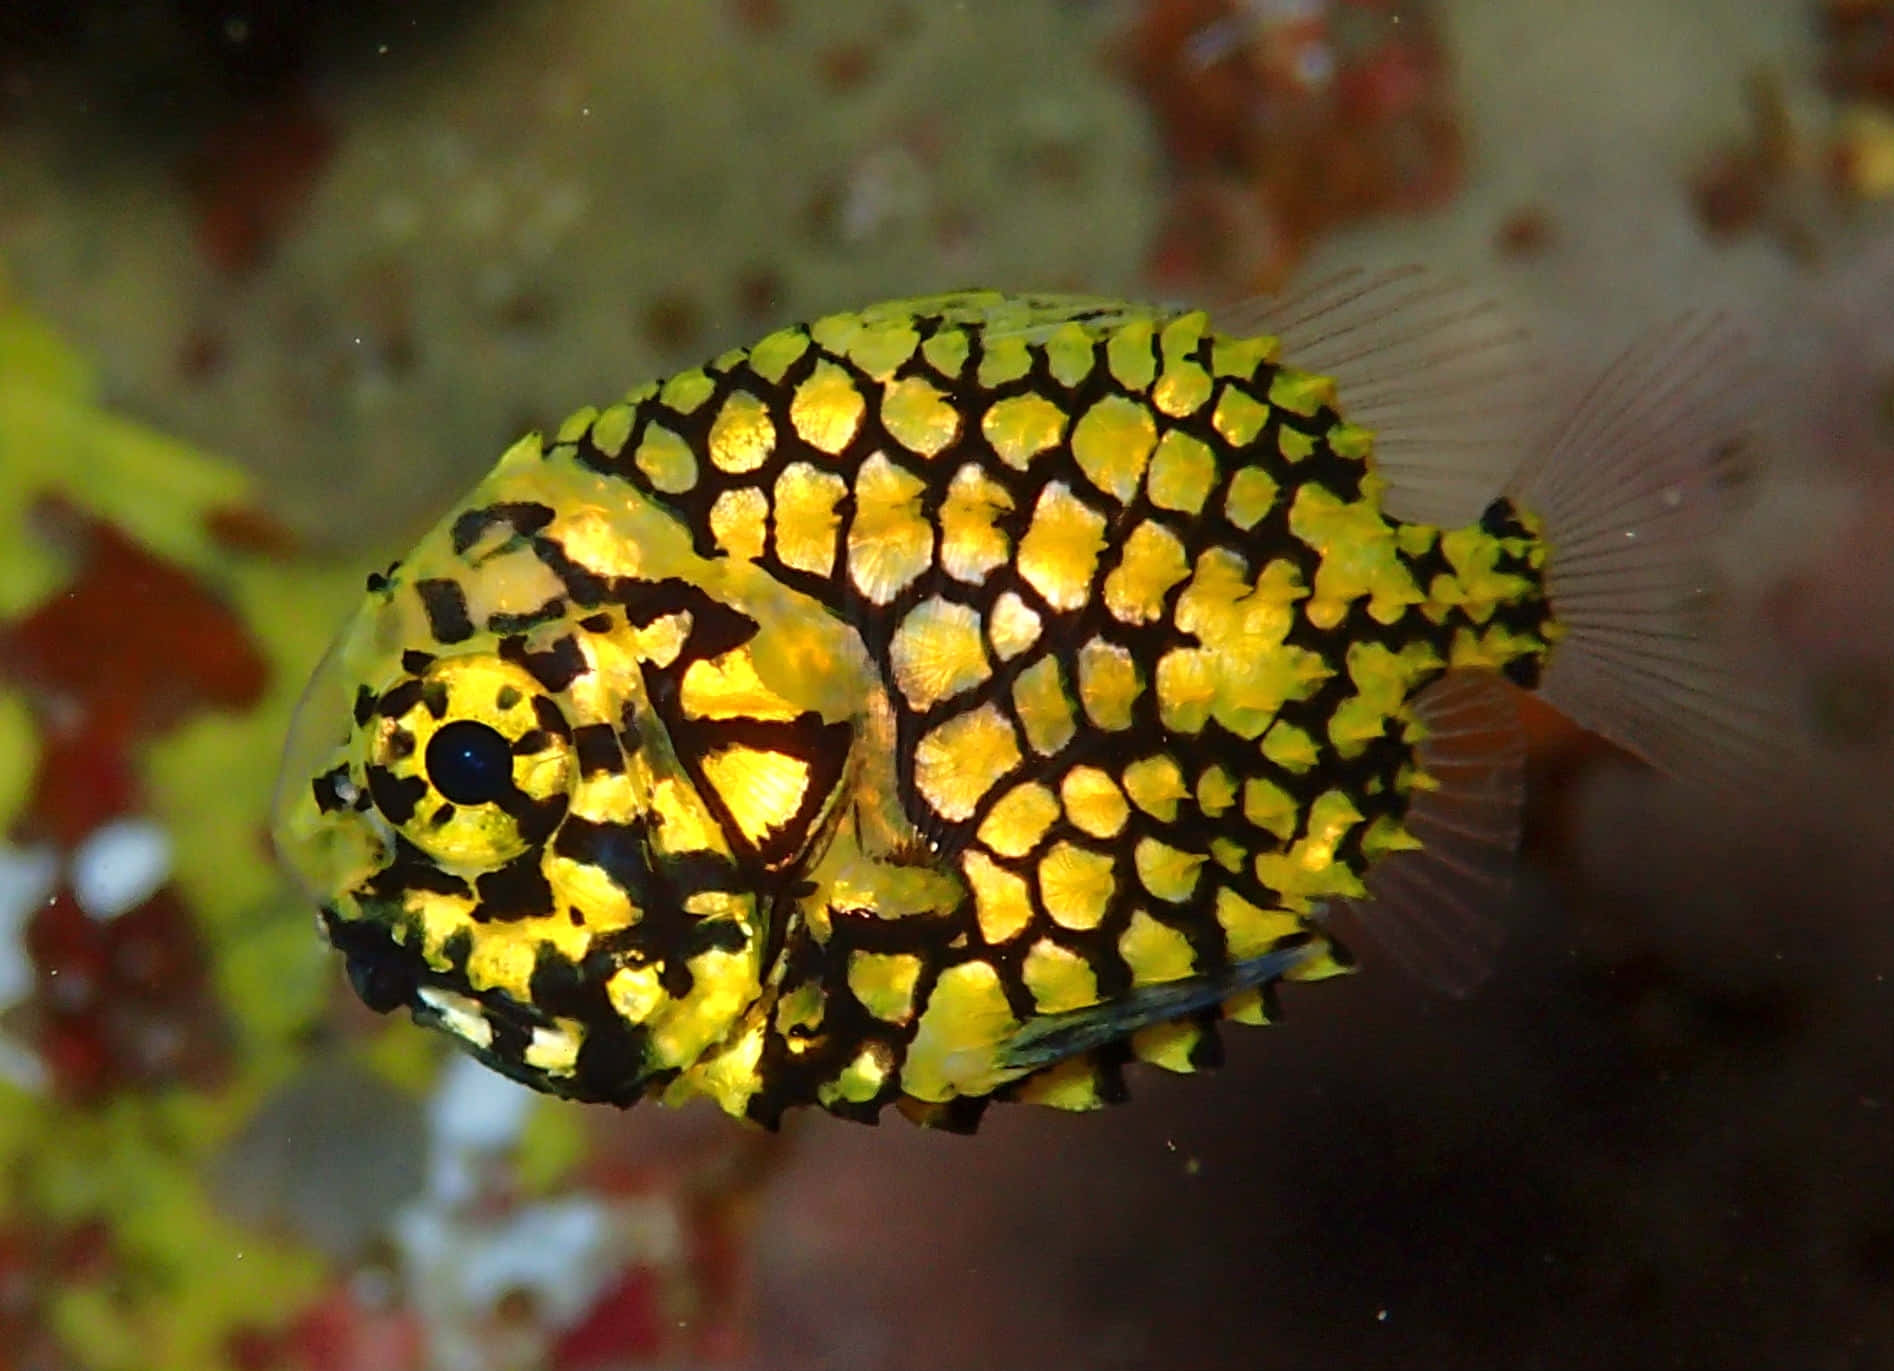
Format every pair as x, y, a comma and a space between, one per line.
384, 974
388, 975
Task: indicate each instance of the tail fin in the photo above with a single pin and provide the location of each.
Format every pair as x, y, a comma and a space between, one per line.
1632, 489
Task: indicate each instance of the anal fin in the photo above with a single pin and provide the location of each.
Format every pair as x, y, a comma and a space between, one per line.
1439, 909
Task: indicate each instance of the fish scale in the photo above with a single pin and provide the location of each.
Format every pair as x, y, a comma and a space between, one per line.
1077, 959
948, 701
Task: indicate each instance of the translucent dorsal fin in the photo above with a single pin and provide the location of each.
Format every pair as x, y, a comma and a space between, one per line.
1445, 381
1439, 909
1632, 489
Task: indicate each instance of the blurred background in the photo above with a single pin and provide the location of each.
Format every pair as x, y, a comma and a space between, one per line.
279, 280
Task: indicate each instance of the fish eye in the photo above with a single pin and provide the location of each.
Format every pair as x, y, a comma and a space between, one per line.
471, 760
470, 763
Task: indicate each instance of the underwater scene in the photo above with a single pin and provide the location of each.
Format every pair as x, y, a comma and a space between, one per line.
888, 683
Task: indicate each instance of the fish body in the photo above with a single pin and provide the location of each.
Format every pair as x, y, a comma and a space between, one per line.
951, 700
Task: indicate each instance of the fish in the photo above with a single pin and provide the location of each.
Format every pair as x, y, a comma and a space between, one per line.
965, 697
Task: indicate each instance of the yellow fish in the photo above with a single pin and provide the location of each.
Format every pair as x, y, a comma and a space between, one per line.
960, 698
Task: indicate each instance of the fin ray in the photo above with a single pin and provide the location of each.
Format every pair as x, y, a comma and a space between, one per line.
1445, 382
1632, 488
1439, 909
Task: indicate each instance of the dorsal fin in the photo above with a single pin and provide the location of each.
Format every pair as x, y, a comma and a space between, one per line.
1439, 909
1446, 382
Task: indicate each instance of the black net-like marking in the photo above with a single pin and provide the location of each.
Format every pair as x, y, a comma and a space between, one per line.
1369, 778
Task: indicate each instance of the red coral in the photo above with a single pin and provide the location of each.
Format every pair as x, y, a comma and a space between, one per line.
36, 1263
133, 646
85, 778
626, 1324
339, 1331
342, 1333
1317, 116
122, 1002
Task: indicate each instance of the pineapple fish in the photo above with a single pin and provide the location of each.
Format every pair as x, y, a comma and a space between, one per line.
962, 698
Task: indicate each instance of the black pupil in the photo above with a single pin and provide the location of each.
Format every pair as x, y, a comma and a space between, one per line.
469, 763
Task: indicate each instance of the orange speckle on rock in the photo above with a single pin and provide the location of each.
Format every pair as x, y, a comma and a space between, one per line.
1525, 232
1731, 193
246, 529
845, 66
672, 322
249, 178
203, 354
758, 16
1858, 49
757, 291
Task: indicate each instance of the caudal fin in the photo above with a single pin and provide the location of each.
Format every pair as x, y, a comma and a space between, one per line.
1633, 489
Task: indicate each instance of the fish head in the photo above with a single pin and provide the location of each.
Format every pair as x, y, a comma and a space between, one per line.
491, 796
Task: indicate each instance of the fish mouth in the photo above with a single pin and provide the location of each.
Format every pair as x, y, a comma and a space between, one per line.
496, 1029
386, 976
